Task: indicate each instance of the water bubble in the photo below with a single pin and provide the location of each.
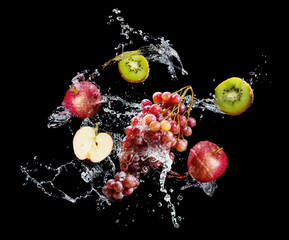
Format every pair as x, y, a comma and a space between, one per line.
167, 198
59, 117
116, 11
180, 198
176, 225
119, 18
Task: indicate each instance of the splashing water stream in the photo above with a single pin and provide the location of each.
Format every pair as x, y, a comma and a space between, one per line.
117, 111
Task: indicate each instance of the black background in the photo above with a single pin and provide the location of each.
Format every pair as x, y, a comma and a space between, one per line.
55, 42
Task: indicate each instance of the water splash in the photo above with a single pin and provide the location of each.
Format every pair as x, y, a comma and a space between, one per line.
59, 117
164, 54
258, 74
208, 187
84, 172
160, 50
117, 111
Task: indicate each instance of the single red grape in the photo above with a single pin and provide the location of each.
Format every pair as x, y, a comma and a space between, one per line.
157, 97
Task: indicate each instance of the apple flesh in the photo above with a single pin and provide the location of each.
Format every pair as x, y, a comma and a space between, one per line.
83, 99
206, 161
88, 145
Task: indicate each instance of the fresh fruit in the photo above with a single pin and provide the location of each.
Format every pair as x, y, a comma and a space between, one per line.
206, 161
83, 99
175, 99
156, 109
145, 102
149, 118
155, 126
134, 68
165, 125
157, 97
90, 145
152, 138
166, 96
123, 185
181, 145
191, 122
233, 96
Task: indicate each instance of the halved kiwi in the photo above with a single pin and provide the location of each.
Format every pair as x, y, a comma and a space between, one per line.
134, 68
233, 96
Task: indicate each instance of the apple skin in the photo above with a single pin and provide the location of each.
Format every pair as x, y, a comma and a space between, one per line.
83, 99
205, 162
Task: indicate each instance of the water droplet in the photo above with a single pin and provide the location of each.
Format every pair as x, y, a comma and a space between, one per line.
167, 198
180, 198
176, 225
116, 11
119, 18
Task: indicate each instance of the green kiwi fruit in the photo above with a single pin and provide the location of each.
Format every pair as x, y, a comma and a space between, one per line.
134, 68
233, 96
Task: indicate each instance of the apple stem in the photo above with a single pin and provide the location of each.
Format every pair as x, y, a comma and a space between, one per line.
74, 90
96, 128
216, 152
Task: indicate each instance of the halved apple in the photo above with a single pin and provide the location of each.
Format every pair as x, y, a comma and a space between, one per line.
88, 144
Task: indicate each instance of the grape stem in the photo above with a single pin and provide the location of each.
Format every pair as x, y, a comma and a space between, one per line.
185, 90
175, 109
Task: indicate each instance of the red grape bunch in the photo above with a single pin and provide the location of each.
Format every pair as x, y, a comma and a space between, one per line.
123, 185
160, 129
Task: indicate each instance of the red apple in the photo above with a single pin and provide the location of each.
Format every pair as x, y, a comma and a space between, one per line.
83, 99
206, 161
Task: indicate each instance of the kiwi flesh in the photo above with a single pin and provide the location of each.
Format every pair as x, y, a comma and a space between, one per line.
233, 96
134, 68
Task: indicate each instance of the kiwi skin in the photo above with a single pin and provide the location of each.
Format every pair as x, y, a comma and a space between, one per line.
134, 81
240, 111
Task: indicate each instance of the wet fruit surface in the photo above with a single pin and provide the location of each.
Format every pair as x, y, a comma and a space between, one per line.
233, 96
206, 162
134, 69
52, 178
